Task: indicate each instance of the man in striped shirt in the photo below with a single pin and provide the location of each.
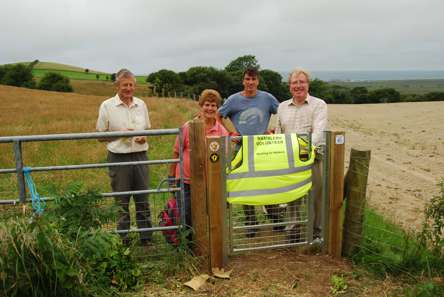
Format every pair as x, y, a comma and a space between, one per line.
304, 113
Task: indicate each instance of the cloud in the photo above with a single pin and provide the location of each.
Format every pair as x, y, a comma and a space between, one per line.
147, 35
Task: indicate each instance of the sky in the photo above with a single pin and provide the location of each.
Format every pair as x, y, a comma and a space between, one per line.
149, 35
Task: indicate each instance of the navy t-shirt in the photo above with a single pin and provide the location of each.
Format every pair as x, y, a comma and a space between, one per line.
250, 115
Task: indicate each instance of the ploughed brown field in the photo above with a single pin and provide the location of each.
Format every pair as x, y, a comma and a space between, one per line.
407, 153
407, 161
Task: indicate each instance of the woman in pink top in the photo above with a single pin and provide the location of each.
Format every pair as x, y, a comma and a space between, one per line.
209, 101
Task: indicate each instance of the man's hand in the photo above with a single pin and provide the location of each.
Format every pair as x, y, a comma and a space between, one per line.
235, 140
140, 139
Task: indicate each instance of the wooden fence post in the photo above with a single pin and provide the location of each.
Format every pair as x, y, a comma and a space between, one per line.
215, 200
199, 214
336, 142
355, 191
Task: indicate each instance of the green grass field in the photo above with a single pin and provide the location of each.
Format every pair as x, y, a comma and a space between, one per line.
39, 73
82, 75
74, 72
58, 66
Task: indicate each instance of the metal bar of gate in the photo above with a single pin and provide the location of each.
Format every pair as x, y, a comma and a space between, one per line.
89, 135
17, 142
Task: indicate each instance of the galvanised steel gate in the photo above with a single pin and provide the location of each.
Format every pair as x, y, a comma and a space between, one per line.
282, 225
20, 168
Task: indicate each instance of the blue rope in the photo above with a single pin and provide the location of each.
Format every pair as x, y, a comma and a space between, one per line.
37, 204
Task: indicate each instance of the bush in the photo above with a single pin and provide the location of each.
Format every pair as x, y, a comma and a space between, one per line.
36, 260
433, 227
384, 96
52, 81
65, 252
17, 75
359, 95
434, 96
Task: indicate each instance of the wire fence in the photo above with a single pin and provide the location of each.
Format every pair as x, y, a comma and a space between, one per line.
377, 242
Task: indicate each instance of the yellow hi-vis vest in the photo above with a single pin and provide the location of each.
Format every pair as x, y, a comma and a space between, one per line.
270, 169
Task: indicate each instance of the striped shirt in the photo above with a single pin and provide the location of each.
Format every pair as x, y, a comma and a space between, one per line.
310, 117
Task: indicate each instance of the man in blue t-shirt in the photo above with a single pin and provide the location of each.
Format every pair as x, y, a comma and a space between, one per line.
250, 111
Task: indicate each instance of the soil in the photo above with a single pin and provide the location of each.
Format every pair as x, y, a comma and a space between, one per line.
281, 273
407, 154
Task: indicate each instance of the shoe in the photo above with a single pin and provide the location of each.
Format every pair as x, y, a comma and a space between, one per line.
279, 228
317, 233
294, 234
294, 238
251, 232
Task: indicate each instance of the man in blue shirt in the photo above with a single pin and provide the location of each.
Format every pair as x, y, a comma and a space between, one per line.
250, 111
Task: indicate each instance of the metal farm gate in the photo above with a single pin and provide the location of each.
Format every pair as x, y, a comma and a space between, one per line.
156, 204
252, 228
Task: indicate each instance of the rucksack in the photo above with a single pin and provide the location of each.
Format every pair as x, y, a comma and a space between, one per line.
170, 217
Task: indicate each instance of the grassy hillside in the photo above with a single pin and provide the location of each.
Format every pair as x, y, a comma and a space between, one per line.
104, 88
57, 66
42, 112
73, 72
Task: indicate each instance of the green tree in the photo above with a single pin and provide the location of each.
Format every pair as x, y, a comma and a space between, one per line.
55, 82
165, 79
200, 77
241, 63
271, 81
434, 96
318, 88
18, 75
33, 63
359, 95
384, 95
2, 73
338, 95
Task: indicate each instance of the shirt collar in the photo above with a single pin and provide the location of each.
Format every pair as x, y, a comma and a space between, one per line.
118, 101
306, 101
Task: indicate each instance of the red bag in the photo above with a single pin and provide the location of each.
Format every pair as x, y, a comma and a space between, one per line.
170, 217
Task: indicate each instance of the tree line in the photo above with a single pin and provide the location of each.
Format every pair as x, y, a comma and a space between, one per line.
336, 94
227, 81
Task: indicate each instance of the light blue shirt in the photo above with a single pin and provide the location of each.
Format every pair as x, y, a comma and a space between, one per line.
250, 115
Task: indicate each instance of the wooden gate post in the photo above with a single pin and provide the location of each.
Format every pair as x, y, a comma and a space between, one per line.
336, 141
216, 200
355, 192
199, 214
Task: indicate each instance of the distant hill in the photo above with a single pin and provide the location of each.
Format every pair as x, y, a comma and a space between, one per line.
73, 72
58, 66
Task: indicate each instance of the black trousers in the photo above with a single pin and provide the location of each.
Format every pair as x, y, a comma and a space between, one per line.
131, 178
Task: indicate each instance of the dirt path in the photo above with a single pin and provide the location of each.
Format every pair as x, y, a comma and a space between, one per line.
280, 273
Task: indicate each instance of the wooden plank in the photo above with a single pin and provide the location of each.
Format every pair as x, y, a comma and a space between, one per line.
215, 153
355, 192
336, 192
199, 214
